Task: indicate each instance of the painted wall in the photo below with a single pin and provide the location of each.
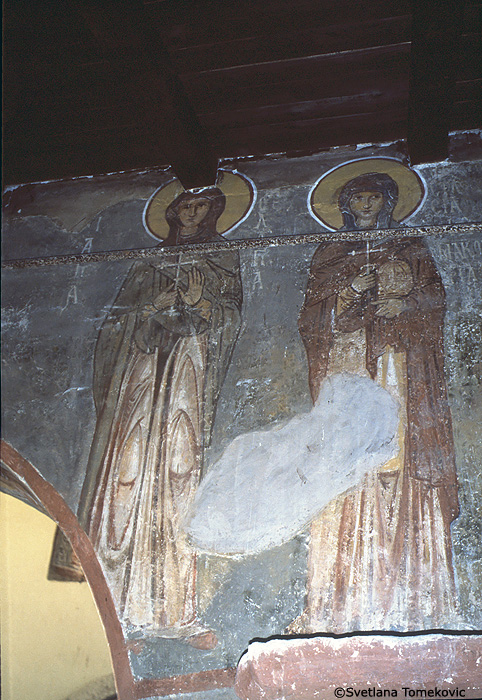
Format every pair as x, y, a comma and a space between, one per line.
168, 395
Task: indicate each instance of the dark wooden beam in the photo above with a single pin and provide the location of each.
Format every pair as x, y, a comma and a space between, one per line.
300, 80
95, 86
314, 39
177, 137
435, 33
207, 23
305, 136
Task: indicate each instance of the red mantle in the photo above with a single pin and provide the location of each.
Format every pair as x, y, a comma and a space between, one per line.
377, 665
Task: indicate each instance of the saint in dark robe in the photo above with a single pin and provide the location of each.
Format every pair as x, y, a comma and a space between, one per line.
161, 358
381, 554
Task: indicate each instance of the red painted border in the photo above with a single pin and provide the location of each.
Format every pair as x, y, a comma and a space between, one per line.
190, 683
127, 688
360, 665
60, 512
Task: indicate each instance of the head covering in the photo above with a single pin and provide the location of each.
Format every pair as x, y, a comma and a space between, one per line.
207, 227
369, 182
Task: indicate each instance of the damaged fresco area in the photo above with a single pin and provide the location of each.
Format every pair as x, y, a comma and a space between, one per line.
261, 441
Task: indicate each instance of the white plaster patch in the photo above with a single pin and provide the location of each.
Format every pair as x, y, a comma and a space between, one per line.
268, 484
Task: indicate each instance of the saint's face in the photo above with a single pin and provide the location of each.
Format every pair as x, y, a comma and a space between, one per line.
191, 213
366, 206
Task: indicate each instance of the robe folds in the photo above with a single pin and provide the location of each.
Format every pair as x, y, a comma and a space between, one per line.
157, 378
381, 555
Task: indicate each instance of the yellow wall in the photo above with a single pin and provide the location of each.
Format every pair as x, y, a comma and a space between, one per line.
53, 642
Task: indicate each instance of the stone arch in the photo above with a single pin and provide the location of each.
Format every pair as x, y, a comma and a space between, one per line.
24, 481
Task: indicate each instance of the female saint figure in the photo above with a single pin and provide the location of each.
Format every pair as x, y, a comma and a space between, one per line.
381, 554
161, 358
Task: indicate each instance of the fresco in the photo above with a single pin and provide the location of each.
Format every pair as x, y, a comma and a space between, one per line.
261, 438
160, 361
375, 311
378, 310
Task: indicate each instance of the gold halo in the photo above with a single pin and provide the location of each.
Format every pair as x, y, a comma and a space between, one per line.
324, 196
238, 190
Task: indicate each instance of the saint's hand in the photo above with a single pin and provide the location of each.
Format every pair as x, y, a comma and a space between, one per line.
166, 298
195, 287
390, 307
364, 281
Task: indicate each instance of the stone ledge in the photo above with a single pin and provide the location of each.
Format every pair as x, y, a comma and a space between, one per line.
450, 665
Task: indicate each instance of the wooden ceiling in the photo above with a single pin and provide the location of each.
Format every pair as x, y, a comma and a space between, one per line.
96, 86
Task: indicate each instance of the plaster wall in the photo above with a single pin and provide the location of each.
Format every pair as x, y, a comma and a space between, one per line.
54, 310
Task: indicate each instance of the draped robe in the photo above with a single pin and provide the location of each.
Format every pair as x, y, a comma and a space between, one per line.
381, 555
157, 378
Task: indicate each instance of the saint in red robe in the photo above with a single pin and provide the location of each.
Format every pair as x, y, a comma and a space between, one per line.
381, 555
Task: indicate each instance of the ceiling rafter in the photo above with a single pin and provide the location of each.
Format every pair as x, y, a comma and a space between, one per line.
435, 47
96, 86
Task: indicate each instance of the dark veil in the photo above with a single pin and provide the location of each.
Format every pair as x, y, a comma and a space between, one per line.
370, 182
207, 228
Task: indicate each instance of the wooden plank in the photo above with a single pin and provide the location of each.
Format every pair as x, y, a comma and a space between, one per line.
304, 92
471, 17
106, 81
130, 147
468, 90
312, 40
395, 96
109, 86
309, 136
130, 103
211, 21
436, 28
467, 54
250, 85
466, 114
